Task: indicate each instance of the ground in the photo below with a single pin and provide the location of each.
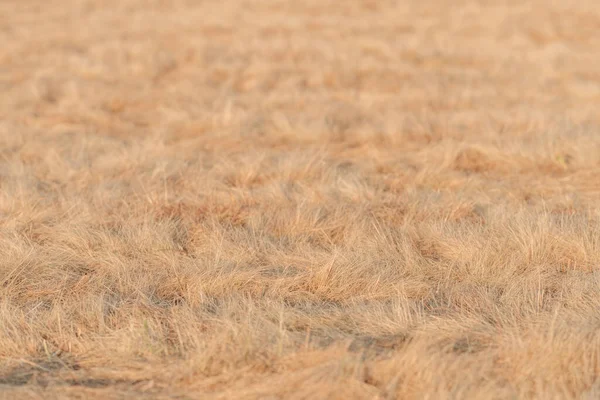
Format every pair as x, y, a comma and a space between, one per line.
310, 199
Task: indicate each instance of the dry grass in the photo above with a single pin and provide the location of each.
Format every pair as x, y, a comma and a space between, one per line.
299, 199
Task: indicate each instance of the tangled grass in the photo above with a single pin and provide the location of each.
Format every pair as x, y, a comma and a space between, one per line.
315, 199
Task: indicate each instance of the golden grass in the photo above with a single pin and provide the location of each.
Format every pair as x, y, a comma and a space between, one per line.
299, 199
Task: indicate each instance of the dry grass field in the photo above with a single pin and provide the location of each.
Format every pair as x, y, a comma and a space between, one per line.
309, 199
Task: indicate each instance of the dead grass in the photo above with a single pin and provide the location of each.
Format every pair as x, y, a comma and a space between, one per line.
311, 199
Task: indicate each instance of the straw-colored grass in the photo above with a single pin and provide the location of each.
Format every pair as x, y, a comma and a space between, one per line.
299, 199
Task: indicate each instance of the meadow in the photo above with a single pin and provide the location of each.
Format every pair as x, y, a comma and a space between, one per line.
309, 199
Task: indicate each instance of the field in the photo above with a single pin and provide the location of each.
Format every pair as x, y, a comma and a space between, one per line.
309, 199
